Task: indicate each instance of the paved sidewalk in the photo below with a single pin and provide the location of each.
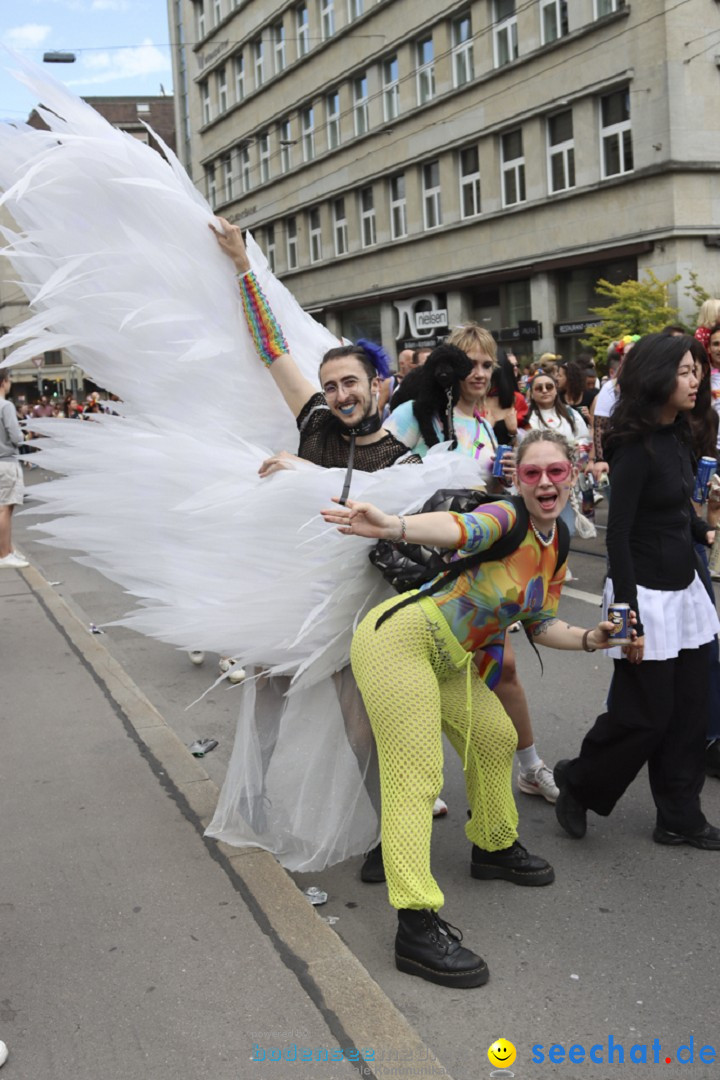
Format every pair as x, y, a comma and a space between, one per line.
129, 946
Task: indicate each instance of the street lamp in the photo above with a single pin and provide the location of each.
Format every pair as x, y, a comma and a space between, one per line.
59, 57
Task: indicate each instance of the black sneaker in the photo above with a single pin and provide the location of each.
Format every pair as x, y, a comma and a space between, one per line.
570, 813
372, 871
511, 864
430, 948
707, 838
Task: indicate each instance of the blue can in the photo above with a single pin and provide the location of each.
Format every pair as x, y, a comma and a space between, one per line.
706, 468
499, 455
619, 615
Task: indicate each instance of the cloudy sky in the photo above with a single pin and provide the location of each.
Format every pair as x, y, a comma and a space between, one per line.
121, 47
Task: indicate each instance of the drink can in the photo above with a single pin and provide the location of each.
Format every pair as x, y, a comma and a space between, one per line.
499, 455
706, 468
619, 616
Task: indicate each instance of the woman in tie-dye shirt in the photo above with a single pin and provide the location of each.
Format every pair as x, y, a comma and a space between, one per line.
413, 662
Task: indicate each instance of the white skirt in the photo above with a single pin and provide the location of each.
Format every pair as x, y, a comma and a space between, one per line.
672, 619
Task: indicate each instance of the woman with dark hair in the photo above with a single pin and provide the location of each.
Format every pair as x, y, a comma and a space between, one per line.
703, 422
572, 389
505, 407
412, 659
657, 707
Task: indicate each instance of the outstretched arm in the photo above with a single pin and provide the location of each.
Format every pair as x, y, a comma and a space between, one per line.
363, 519
264, 329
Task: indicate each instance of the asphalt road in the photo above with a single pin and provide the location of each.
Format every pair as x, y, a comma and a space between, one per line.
622, 948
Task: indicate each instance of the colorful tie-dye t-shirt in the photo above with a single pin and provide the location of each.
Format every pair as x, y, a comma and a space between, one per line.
483, 601
475, 437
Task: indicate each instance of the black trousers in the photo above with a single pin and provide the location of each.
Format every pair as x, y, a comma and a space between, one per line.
657, 714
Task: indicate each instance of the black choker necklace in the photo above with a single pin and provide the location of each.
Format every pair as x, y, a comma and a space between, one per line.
368, 426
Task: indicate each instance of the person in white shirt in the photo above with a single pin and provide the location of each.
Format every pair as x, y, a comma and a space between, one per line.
11, 481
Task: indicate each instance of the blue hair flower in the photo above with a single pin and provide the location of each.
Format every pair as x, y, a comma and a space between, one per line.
380, 359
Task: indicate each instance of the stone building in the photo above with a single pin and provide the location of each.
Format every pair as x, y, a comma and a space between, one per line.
407, 165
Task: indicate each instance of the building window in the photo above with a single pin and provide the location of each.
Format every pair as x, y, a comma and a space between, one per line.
200, 19
303, 29
239, 62
561, 152
217, 12
308, 133
291, 234
228, 178
340, 228
391, 88
270, 251
259, 53
264, 151
513, 168
332, 109
462, 51
606, 7
616, 134
469, 182
398, 207
327, 18
210, 185
432, 211
425, 70
368, 229
205, 98
286, 145
360, 104
245, 168
315, 230
505, 38
355, 9
222, 89
554, 20
279, 47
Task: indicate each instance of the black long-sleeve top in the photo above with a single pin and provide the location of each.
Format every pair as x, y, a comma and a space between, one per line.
651, 522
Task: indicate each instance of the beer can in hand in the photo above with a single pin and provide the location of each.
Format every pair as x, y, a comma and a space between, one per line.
619, 616
499, 455
705, 470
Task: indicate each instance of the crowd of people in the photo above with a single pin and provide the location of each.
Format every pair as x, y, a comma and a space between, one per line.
438, 659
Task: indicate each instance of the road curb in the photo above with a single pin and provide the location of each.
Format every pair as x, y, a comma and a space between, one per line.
356, 1009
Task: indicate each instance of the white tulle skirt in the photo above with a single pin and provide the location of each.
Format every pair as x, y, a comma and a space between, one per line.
672, 619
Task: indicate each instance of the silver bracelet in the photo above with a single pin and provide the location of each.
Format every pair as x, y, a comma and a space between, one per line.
403, 531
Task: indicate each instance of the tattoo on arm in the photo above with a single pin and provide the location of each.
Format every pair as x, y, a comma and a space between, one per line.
545, 626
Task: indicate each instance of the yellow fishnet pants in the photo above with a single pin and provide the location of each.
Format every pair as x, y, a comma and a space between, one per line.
418, 681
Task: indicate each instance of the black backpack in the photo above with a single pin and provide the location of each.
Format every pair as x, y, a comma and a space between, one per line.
408, 566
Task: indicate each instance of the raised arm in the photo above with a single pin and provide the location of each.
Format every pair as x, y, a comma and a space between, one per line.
267, 335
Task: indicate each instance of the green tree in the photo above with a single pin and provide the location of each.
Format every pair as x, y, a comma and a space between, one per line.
697, 294
636, 307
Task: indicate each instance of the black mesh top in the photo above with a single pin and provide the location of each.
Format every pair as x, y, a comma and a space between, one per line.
322, 443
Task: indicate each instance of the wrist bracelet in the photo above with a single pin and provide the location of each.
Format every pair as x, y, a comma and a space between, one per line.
586, 647
267, 336
403, 531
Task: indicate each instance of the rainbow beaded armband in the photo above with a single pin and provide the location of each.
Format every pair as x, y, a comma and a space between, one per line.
267, 336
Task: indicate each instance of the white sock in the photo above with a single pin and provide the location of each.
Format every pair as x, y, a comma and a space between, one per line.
528, 758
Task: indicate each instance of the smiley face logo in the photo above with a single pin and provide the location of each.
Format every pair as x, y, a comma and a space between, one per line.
501, 1054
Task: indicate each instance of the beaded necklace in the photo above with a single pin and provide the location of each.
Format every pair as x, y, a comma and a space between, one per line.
545, 541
